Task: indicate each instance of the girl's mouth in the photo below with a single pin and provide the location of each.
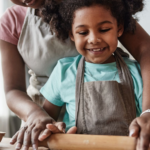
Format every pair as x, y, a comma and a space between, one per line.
97, 49
29, 2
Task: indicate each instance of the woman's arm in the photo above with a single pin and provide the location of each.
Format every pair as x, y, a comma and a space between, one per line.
138, 45
13, 69
18, 101
52, 109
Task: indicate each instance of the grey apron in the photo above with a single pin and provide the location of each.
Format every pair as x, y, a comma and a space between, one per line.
105, 107
40, 49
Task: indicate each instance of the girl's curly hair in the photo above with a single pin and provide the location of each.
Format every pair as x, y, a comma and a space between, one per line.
60, 14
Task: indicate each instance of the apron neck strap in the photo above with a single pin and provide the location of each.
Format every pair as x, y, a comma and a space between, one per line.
79, 82
123, 71
31, 11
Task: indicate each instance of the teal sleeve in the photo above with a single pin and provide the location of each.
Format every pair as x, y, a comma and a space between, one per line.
139, 92
51, 90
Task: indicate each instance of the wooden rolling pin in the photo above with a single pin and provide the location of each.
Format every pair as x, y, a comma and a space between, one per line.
88, 142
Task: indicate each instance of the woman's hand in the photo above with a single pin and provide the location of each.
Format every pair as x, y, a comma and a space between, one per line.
140, 129
35, 124
56, 127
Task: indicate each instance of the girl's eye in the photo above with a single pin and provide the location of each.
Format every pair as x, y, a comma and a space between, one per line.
82, 33
104, 30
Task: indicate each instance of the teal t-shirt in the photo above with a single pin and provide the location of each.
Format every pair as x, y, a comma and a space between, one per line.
60, 88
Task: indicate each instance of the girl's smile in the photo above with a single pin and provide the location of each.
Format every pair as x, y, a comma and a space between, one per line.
96, 50
95, 33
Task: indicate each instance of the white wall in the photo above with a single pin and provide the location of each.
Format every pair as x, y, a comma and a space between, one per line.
144, 17
4, 4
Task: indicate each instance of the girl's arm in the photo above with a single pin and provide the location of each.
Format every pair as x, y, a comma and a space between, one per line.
18, 101
138, 45
52, 109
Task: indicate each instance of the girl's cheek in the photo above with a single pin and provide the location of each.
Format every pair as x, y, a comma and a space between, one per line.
81, 43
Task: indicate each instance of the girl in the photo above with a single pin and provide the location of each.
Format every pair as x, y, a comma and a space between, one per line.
19, 39
102, 88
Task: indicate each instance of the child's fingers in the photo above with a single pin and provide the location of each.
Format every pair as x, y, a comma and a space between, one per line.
72, 130
134, 129
53, 128
44, 134
61, 126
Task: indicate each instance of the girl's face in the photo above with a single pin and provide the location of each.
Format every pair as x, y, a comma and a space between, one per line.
95, 33
29, 3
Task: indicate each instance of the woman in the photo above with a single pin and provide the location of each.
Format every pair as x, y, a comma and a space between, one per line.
27, 40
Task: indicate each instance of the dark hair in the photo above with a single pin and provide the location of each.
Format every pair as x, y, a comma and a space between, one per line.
60, 14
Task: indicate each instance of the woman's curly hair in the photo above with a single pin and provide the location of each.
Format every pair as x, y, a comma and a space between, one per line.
60, 14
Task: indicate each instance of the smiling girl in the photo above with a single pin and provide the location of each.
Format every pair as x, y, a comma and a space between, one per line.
102, 88
26, 40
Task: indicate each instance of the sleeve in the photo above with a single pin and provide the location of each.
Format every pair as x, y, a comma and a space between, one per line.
11, 24
51, 90
140, 89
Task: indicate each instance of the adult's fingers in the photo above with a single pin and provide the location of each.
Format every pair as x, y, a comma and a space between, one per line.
138, 144
144, 141
134, 129
14, 138
72, 130
34, 137
27, 138
44, 134
20, 138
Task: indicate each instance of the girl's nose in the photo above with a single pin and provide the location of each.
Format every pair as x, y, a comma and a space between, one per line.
93, 39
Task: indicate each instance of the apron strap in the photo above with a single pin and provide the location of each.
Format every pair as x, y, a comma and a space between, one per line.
31, 11
123, 70
126, 81
79, 82
122, 53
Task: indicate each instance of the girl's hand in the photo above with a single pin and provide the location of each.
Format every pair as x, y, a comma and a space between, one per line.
56, 127
140, 129
35, 124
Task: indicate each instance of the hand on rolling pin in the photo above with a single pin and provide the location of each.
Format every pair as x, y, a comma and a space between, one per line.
58, 127
140, 128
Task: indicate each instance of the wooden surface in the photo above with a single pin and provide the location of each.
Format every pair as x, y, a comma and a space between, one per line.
4, 145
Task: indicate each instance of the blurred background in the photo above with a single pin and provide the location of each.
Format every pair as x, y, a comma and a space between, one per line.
7, 118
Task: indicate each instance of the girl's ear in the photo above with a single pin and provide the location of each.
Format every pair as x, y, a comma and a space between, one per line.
120, 30
71, 36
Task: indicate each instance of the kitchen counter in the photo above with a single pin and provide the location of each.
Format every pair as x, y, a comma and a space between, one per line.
4, 145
